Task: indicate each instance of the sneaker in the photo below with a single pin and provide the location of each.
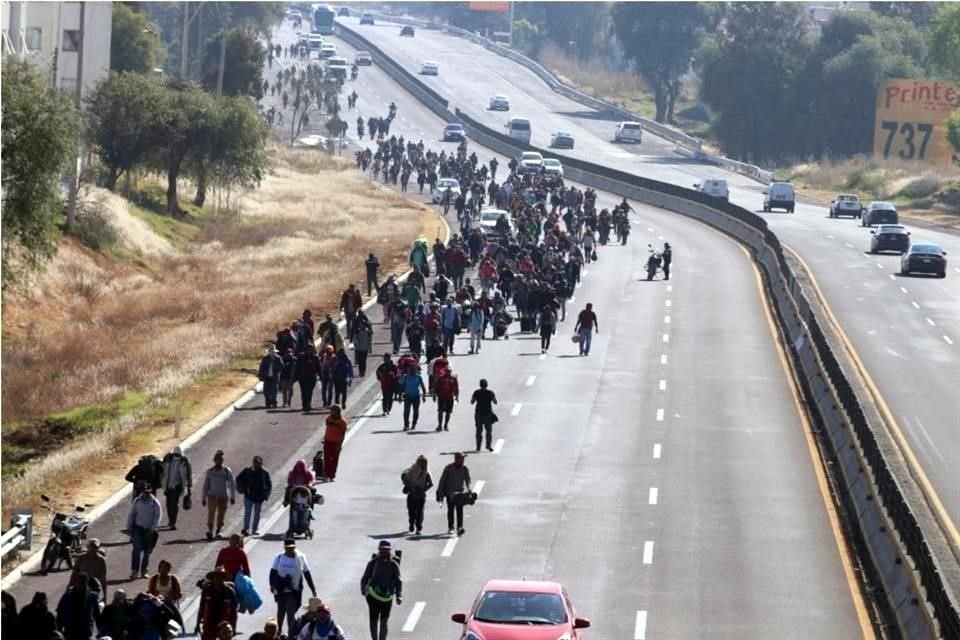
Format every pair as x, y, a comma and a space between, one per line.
144, 575
446, 428
218, 534
244, 533
135, 575
173, 527
419, 530
209, 535
411, 529
489, 448
439, 428
450, 532
461, 531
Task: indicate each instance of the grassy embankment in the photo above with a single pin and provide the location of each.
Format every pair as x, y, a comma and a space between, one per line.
103, 348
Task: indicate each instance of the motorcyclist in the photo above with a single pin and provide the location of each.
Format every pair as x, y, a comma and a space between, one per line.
653, 263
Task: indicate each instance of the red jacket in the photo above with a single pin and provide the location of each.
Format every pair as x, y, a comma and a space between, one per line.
233, 559
447, 386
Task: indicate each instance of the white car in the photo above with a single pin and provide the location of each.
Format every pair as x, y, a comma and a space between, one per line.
442, 185
846, 204
328, 50
429, 68
488, 221
714, 188
499, 103
363, 59
552, 166
315, 41
337, 66
628, 132
529, 162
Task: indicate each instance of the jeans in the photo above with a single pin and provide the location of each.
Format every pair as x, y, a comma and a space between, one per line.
546, 330
475, 340
361, 358
379, 616
666, 270
270, 392
416, 500
408, 402
396, 337
340, 393
586, 337
286, 390
387, 401
306, 392
287, 606
351, 316
454, 507
326, 391
484, 423
372, 283
251, 512
448, 337
140, 557
173, 504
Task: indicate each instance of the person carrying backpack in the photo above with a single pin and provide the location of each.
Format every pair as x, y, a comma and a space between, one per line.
380, 584
447, 391
416, 482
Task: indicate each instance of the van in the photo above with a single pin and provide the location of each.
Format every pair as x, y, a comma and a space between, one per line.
628, 132
714, 188
315, 40
518, 129
779, 195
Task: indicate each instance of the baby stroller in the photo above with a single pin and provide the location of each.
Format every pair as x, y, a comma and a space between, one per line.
301, 500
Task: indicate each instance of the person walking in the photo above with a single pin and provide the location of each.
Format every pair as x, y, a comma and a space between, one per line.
218, 487
218, 603
322, 627
413, 392
255, 484
548, 326
416, 482
446, 393
362, 342
35, 619
233, 558
450, 324
333, 437
93, 563
271, 366
483, 415
380, 584
165, 584
142, 522
79, 609
454, 482
373, 266
307, 370
388, 377
666, 258
288, 375
586, 326
478, 320
177, 481
350, 303
342, 374
287, 574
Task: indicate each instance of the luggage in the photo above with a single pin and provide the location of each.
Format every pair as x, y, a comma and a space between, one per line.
527, 325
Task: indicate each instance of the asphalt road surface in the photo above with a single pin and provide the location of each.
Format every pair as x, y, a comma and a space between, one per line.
906, 330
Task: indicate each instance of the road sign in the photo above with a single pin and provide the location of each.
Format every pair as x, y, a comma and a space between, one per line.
495, 7
911, 120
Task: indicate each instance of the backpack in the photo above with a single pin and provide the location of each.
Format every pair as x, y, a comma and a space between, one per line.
444, 384
149, 469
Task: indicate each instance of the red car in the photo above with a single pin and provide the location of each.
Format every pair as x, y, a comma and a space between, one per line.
521, 610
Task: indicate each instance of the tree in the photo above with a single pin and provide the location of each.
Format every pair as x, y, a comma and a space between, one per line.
243, 73
659, 38
123, 122
945, 40
749, 78
953, 135
918, 13
577, 27
39, 142
134, 45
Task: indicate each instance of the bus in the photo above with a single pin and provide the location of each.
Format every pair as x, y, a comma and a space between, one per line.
323, 19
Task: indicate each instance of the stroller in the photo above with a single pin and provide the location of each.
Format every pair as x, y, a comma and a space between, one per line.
301, 500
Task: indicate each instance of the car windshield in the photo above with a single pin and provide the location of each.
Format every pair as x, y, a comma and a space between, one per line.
631, 126
500, 98
532, 155
490, 216
847, 198
520, 125
551, 163
926, 248
448, 182
454, 126
506, 607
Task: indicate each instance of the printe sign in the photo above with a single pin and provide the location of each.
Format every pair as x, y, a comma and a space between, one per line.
911, 120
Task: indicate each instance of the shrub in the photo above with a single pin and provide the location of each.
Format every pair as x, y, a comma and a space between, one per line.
921, 187
94, 228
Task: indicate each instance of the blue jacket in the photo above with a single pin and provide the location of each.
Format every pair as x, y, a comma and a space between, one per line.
248, 600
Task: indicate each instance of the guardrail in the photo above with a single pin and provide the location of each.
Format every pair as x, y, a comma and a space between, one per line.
19, 536
689, 145
883, 523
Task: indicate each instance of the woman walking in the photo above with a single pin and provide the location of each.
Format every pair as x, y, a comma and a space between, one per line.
416, 483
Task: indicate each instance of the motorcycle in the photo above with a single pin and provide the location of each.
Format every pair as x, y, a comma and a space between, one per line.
67, 534
653, 264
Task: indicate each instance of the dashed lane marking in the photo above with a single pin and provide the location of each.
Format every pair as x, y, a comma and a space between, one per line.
663, 385
654, 495
668, 303
879, 266
657, 451
640, 626
915, 305
648, 552
848, 245
478, 486
666, 319
531, 380
659, 415
498, 445
666, 337
931, 322
669, 288
947, 340
516, 409
663, 359
904, 289
449, 547
414, 616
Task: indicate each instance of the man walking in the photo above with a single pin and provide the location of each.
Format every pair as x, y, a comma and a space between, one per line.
177, 481
454, 482
666, 257
413, 392
586, 326
307, 369
373, 266
450, 324
350, 303
484, 399
93, 564
388, 376
255, 484
218, 487
447, 391
287, 575
380, 584
271, 366
142, 521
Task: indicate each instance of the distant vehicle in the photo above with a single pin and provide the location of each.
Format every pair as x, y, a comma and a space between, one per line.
293, 14
499, 102
846, 204
337, 66
366, 18
454, 132
628, 132
363, 59
518, 129
323, 19
552, 166
879, 213
303, 40
561, 140
429, 68
889, 237
344, 12
529, 162
314, 41
488, 223
328, 50
779, 195
924, 258
406, 30
714, 188
442, 185
521, 610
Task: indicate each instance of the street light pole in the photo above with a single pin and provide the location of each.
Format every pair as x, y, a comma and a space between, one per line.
78, 100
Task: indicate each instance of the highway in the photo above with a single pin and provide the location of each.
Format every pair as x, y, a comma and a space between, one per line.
906, 330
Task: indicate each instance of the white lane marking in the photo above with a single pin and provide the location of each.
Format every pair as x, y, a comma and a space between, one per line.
666, 337
892, 277
947, 339
957, 269
516, 409
660, 237
648, 552
848, 245
498, 445
663, 359
669, 288
650, 229
586, 272
640, 626
414, 616
663, 385
879, 266
915, 305
931, 322
666, 319
668, 303
362, 421
654, 495
531, 380
478, 486
659, 415
572, 299
904, 289
579, 284
657, 451
449, 547
830, 237
543, 356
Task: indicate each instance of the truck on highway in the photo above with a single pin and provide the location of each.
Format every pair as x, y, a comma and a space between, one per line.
323, 18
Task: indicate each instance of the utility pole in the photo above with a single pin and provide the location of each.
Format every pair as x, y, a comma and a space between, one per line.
185, 41
78, 101
510, 37
225, 13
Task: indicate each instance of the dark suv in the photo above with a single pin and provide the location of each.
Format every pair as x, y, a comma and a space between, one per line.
879, 213
406, 30
889, 237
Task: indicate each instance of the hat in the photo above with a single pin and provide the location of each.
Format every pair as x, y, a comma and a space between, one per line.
314, 604
289, 542
384, 544
219, 572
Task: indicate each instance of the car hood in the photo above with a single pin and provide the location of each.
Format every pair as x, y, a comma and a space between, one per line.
489, 631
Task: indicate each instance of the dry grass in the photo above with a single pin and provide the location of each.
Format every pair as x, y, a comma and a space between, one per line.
95, 331
593, 77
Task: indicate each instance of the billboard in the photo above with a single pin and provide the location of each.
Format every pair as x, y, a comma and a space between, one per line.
495, 7
911, 120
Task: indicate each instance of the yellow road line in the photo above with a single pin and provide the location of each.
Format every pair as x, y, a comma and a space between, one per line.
933, 499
